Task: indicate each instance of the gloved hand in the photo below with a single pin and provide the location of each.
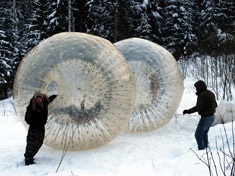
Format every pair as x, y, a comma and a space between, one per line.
185, 111
52, 97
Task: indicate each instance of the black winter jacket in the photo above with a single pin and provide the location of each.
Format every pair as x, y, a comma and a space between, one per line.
37, 118
206, 102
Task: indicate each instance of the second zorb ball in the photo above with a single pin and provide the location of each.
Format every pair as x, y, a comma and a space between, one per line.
94, 84
159, 84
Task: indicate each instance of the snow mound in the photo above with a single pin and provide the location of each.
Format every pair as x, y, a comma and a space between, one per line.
225, 113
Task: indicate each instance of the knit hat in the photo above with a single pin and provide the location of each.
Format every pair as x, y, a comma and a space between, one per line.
38, 94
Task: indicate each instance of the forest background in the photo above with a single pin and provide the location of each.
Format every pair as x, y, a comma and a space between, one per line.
199, 33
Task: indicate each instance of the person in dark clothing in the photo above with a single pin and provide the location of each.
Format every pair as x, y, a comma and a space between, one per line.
36, 117
205, 106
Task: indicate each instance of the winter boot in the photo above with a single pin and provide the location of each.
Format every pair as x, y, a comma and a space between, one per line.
29, 161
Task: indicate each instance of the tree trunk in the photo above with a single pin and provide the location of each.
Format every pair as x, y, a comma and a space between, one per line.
70, 16
116, 20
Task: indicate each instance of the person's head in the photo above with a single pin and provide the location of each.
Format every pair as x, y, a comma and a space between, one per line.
200, 86
38, 97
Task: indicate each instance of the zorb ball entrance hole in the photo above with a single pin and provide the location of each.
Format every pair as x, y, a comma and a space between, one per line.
52, 88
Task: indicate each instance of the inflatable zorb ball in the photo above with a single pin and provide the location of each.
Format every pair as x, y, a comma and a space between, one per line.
94, 84
159, 84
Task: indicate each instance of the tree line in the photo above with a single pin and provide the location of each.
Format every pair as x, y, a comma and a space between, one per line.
187, 28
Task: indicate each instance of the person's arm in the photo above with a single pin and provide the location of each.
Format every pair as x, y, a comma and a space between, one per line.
51, 98
199, 105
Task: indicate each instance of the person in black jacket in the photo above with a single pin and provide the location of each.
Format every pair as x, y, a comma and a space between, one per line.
205, 106
36, 117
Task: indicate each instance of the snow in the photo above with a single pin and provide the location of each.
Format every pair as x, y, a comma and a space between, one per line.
145, 2
168, 151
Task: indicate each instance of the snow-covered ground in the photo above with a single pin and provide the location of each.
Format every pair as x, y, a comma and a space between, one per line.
168, 151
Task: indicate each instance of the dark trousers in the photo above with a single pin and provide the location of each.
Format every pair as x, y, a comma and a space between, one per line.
35, 139
202, 130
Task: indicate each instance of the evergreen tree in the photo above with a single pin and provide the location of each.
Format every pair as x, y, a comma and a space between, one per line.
9, 37
183, 27
124, 20
112, 20
101, 13
57, 17
5, 66
17, 28
189, 13
226, 26
156, 20
81, 20
38, 24
141, 26
178, 33
68, 16
216, 30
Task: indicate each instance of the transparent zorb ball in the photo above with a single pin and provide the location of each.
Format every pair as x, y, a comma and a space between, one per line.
159, 84
94, 84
